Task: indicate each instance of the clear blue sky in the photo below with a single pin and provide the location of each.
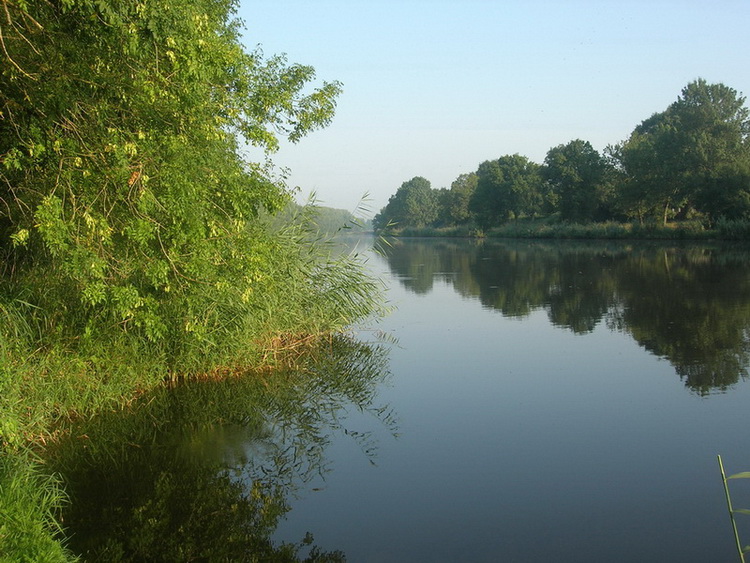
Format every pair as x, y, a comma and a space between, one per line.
433, 88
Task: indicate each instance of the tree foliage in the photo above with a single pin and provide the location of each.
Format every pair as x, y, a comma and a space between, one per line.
461, 192
690, 156
121, 176
414, 203
506, 188
577, 178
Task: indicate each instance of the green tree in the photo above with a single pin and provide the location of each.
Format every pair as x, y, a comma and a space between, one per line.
716, 129
506, 188
443, 197
576, 174
651, 186
415, 204
461, 192
693, 155
121, 176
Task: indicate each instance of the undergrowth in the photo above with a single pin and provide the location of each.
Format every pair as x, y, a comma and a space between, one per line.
55, 369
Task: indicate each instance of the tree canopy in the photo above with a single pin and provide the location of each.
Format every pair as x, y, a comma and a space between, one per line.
414, 203
506, 188
691, 156
121, 175
576, 175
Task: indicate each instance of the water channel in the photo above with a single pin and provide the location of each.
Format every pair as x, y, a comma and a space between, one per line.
525, 401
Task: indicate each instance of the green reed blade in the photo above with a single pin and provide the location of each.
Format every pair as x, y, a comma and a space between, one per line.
740, 550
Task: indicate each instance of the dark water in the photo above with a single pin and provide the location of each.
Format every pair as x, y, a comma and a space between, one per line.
542, 402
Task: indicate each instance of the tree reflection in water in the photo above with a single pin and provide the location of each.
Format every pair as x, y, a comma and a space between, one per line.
689, 304
202, 471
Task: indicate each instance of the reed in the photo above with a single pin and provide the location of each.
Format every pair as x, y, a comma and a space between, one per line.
741, 551
59, 363
738, 229
29, 500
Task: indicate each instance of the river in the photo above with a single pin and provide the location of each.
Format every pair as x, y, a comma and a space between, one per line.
525, 401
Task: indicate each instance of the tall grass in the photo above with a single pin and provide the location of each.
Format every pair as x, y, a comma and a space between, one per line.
729, 229
28, 502
57, 366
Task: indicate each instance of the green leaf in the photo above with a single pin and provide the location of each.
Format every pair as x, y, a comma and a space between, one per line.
743, 475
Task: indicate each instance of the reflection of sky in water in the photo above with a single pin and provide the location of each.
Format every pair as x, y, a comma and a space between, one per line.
521, 441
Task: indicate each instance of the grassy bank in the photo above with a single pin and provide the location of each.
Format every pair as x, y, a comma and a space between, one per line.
134, 247
544, 229
54, 371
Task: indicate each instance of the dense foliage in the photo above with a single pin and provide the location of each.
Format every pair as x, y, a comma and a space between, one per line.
135, 240
414, 203
121, 174
691, 161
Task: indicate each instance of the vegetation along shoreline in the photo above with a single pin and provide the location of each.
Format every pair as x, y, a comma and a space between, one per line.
729, 230
682, 173
137, 243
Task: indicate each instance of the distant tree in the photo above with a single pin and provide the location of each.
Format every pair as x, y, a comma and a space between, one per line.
415, 204
651, 186
317, 218
462, 189
693, 155
506, 188
577, 177
716, 130
443, 197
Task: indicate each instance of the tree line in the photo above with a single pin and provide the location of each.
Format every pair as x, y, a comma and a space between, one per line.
690, 161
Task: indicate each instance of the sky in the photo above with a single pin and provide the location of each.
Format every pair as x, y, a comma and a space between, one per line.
433, 88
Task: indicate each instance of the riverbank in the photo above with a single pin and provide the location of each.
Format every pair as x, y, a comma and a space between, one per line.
51, 377
52, 394
545, 229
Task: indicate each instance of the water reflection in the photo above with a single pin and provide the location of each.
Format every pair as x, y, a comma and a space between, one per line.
688, 304
203, 471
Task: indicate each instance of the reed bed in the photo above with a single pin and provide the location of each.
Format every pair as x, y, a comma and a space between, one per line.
58, 365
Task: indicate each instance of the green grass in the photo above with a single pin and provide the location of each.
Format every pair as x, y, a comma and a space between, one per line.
29, 500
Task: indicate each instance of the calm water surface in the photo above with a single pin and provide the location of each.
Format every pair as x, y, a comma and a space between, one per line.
532, 402
556, 402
